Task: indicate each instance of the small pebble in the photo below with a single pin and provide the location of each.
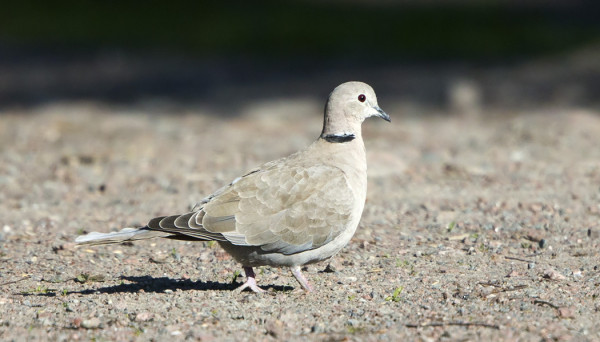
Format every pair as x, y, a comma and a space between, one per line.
93, 323
330, 268
531, 265
553, 274
566, 312
144, 316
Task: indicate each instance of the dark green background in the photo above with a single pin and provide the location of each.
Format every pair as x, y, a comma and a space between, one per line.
438, 30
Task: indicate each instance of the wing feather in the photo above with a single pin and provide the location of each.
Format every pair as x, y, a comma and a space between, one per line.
179, 226
182, 221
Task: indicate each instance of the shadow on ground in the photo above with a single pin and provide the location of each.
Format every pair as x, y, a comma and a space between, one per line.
157, 285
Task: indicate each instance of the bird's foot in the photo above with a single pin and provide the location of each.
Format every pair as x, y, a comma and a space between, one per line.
301, 279
250, 282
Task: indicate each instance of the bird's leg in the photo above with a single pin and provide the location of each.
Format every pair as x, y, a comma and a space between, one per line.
301, 279
250, 281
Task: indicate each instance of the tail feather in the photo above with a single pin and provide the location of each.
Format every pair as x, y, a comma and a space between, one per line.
178, 227
125, 234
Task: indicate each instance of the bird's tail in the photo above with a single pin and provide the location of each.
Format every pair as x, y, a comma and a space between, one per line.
125, 234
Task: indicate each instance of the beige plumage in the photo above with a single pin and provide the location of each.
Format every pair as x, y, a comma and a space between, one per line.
289, 212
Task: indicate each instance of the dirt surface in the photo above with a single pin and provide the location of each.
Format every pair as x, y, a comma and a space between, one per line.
474, 228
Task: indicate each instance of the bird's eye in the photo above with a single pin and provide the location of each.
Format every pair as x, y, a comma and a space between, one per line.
362, 97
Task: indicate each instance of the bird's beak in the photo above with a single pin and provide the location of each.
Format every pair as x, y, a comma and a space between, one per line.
382, 114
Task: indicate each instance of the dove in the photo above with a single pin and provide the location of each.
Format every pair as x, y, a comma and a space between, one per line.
290, 212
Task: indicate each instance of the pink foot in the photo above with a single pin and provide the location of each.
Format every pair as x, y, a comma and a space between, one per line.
300, 278
250, 282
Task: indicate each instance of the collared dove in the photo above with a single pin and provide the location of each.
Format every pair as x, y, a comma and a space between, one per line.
290, 212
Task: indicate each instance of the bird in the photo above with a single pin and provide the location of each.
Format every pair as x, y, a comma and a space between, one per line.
290, 212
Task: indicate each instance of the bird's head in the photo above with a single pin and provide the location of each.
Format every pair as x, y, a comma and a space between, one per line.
348, 105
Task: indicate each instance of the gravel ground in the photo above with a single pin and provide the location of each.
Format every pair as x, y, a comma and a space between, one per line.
474, 229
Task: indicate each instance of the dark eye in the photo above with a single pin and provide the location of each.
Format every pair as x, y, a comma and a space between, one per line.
362, 97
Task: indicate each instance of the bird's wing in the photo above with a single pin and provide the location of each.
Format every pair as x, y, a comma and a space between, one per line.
284, 209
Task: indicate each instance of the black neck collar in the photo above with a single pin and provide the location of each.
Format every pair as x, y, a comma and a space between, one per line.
339, 138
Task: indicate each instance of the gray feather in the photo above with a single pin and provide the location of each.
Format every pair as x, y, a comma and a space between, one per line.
125, 234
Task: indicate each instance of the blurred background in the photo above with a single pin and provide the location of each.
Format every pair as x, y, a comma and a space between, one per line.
420, 56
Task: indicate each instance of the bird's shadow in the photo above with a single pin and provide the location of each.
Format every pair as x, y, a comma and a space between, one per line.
162, 284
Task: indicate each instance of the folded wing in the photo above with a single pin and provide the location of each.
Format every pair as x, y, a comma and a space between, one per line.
285, 210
